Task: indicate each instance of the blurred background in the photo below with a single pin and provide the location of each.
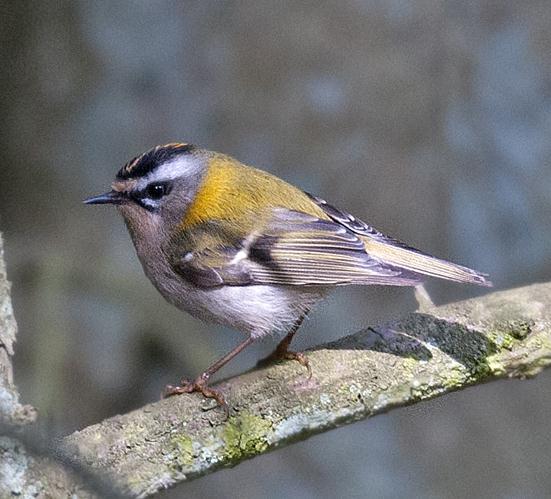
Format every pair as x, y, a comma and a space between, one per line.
429, 119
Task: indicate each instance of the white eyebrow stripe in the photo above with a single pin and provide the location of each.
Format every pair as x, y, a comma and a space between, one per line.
183, 166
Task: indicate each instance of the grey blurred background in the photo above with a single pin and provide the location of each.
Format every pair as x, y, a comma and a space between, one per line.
429, 119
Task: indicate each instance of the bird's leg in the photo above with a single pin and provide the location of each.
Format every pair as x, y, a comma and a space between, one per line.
200, 384
282, 351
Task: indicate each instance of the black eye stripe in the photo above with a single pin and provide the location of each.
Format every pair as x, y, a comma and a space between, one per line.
151, 193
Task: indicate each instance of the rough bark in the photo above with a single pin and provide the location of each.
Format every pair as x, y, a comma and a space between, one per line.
28, 467
11, 411
424, 355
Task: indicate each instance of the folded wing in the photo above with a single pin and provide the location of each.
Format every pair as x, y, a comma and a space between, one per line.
293, 249
298, 249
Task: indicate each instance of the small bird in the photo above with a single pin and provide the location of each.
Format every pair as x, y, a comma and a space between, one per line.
237, 246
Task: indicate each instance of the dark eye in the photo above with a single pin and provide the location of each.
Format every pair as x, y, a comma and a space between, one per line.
156, 191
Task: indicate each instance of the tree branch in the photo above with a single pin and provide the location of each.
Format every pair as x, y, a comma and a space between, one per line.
31, 466
11, 410
424, 355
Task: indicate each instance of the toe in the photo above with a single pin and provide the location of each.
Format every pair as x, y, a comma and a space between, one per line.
301, 359
199, 385
171, 390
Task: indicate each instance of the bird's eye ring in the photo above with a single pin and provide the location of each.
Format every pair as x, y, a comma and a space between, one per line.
156, 190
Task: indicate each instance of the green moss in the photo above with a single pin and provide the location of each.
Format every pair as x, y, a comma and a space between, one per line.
245, 436
506, 341
409, 364
477, 370
481, 369
420, 391
455, 379
519, 328
506, 334
182, 445
484, 361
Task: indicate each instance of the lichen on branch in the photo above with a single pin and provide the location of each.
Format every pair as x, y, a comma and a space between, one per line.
424, 355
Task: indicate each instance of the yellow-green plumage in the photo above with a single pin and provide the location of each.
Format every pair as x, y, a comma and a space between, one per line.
241, 195
236, 203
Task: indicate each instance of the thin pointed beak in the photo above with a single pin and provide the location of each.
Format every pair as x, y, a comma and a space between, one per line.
112, 197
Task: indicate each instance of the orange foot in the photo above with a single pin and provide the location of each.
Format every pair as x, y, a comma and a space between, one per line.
199, 385
279, 355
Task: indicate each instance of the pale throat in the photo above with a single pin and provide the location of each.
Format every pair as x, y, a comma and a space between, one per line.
146, 230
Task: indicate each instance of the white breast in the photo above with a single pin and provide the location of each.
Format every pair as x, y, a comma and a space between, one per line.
255, 309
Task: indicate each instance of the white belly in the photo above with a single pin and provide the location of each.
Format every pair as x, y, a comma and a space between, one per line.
255, 309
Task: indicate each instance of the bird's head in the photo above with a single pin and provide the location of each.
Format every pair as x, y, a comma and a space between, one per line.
153, 190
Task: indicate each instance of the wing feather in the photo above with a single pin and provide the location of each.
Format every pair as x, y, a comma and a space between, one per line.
294, 249
401, 255
297, 250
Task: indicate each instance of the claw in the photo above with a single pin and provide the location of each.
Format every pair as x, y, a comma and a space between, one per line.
279, 355
301, 358
199, 385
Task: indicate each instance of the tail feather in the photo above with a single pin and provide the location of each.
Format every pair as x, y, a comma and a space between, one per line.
396, 253
422, 263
